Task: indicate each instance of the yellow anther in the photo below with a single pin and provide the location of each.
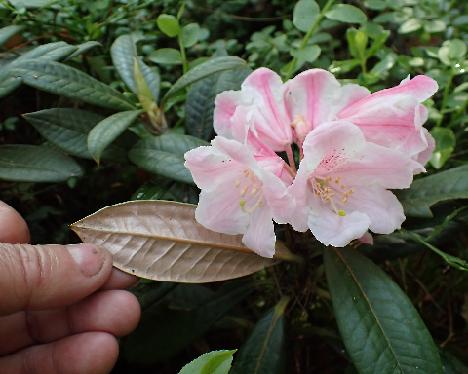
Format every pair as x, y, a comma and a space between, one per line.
242, 203
341, 213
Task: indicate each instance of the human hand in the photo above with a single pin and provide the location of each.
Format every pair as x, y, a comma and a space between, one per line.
61, 307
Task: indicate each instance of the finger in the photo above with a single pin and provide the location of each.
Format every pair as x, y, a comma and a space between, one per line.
13, 228
119, 280
49, 276
116, 312
90, 352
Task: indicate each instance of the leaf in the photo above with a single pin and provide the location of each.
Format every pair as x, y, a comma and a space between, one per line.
190, 34
168, 24
410, 25
305, 14
109, 129
168, 56
164, 155
123, 53
307, 54
445, 144
50, 51
452, 51
31, 3
60, 79
216, 362
424, 192
150, 77
162, 241
381, 329
212, 66
346, 13
199, 106
453, 261
179, 325
32, 163
264, 350
9, 31
84, 47
452, 365
68, 129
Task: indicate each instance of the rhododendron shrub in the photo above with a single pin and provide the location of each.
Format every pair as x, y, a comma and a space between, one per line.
311, 153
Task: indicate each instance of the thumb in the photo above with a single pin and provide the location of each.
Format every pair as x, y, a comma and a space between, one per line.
49, 276
13, 228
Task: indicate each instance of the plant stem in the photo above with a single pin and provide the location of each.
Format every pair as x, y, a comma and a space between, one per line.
443, 106
307, 36
290, 155
182, 55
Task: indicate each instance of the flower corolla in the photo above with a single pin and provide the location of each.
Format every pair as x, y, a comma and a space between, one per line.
352, 147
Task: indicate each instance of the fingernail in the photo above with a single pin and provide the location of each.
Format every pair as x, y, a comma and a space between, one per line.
88, 258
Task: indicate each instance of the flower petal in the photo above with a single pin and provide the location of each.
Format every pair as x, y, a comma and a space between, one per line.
226, 104
208, 165
381, 206
310, 96
393, 116
270, 121
332, 229
260, 235
219, 210
340, 149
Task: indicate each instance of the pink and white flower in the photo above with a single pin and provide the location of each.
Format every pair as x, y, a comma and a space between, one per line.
354, 147
341, 188
238, 195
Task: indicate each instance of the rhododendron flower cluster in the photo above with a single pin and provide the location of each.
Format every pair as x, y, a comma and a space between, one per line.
351, 148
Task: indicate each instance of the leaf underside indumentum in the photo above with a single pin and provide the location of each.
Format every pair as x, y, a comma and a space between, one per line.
381, 329
161, 240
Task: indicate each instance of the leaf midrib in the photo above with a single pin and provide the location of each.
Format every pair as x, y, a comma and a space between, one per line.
274, 321
338, 254
76, 227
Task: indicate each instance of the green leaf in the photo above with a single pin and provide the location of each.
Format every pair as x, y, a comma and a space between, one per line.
178, 321
123, 52
424, 192
453, 261
60, 79
452, 365
68, 129
381, 329
29, 4
107, 130
264, 350
168, 24
84, 47
435, 25
7, 32
212, 66
50, 51
190, 34
305, 14
164, 155
32, 163
410, 25
445, 144
199, 105
346, 13
151, 78
452, 51
216, 362
307, 54
168, 56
